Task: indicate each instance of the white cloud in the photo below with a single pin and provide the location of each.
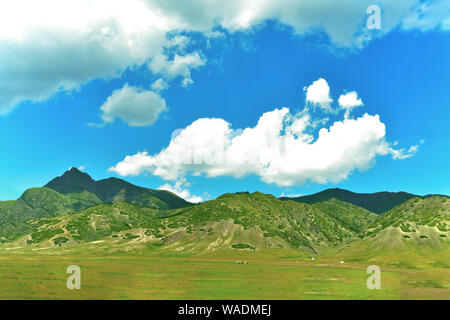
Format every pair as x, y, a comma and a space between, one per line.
281, 149
159, 85
133, 165
349, 101
135, 106
403, 153
427, 16
52, 46
178, 66
179, 191
318, 94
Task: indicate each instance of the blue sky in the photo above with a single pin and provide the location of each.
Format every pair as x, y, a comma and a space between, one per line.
400, 74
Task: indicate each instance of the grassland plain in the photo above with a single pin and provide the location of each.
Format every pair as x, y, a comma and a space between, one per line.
146, 272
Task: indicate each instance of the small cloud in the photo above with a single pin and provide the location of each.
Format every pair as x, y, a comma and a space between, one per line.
179, 66
186, 82
136, 107
402, 154
318, 94
159, 85
349, 101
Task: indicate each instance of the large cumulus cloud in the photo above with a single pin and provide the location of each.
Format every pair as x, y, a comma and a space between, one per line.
281, 149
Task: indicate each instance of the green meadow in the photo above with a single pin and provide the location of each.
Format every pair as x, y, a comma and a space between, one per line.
149, 274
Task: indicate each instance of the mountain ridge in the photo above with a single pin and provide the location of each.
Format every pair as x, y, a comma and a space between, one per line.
72, 192
112, 189
377, 202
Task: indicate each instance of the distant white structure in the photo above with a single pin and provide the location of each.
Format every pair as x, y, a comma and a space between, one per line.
342, 261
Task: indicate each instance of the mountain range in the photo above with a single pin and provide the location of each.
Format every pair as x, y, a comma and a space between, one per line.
378, 202
72, 192
74, 209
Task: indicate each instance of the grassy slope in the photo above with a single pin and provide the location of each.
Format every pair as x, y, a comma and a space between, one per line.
413, 234
353, 217
421, 222
258, 220
39, 203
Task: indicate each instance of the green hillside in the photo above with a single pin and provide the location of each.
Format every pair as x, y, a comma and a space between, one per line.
233, 221
254, 221
38, 203
413, 234
424, 222
353, 217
